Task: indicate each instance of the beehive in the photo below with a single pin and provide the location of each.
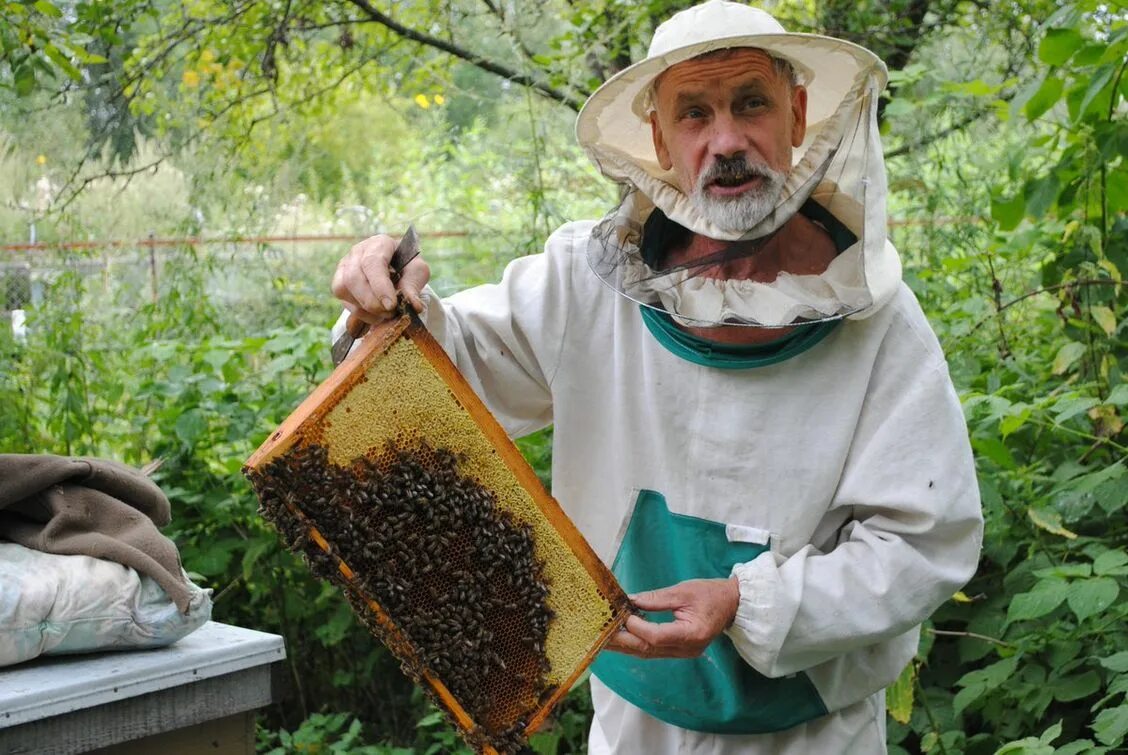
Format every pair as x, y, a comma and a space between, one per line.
396, 483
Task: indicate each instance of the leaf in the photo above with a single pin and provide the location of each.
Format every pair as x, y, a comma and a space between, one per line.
1119, 395
432, 718
1071, 406
1064, 571
24, 76
1108, 561
1099, 81
62, 62
252, 554
1092, 596
546, 742
1079, 747
1013, 422
48, 9
1076, 687
1044, 598
190, 426
995, 450
975, 683
1050, 734
1105, 318
1059, 45
1050, 521
1112, 495
899, 695
1067, 355
1117, 662
211, 559
1028, 746
1111, 725
1049, 92
1040, 194
977, 88
82, 56
1008, 213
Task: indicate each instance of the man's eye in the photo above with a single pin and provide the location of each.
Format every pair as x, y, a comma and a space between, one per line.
753, 103
693, 113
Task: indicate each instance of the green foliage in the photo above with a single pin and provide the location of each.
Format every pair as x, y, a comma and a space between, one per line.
37, 45
1042, 374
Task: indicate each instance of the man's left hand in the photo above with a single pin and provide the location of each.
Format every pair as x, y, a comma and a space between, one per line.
702, 608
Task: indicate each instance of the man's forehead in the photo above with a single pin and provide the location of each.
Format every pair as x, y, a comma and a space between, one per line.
736, 64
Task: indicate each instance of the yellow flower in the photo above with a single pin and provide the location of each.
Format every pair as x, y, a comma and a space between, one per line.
439, 99
41, 160
422, 101
207, 56
190, 79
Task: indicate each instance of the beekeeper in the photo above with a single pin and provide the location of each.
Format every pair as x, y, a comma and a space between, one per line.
754, 423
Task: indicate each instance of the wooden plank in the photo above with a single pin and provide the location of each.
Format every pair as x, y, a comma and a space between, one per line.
143, 716
48, 687
234, 735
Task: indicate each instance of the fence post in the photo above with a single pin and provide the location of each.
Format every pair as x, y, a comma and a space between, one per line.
152, 268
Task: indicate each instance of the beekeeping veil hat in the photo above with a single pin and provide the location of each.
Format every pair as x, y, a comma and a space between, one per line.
839, 166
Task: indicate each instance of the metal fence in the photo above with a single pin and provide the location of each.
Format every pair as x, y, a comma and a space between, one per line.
244, 276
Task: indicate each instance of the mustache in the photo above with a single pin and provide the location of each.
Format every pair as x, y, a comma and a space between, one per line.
735, 170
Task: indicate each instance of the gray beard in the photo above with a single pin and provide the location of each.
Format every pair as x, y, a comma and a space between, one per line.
740, 213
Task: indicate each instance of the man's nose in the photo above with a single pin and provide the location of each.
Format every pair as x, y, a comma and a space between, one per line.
726, 139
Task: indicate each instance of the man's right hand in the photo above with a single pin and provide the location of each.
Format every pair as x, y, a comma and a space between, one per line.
363, 281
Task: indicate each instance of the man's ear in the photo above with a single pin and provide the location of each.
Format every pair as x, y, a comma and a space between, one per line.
798, 114
660, 150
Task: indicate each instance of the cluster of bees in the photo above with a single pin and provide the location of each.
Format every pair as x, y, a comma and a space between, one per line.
456, 575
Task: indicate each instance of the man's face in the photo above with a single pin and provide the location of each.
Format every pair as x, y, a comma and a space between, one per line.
727, 123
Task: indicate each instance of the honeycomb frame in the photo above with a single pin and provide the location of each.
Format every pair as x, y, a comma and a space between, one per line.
490, 459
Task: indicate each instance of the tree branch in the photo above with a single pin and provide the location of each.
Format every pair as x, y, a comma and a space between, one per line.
499, 12
1048, 289
470, 57
112, 174
959, 125
973, 635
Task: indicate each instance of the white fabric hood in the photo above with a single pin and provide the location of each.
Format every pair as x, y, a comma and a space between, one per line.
839, 165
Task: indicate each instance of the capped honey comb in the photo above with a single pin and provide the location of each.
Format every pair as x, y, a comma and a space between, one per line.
394, 482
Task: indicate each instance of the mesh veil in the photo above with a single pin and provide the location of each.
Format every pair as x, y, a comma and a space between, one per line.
839, 167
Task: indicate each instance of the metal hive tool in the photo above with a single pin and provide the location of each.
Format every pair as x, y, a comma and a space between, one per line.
396, 483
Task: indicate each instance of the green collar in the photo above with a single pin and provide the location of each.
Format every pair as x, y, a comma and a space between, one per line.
727, 357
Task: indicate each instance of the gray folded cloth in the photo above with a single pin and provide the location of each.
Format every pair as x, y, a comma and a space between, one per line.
91, 507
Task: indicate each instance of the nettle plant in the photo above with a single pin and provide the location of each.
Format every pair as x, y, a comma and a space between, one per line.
1030, 657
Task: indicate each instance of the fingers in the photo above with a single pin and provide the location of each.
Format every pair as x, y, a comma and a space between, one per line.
363, 280
675, 639
625, 642
666, 599
701, 608
644, 639
414, 278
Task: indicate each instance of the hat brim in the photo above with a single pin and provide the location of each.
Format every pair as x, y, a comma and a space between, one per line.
616, 117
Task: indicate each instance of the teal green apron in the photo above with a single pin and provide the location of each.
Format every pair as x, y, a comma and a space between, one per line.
717, 692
